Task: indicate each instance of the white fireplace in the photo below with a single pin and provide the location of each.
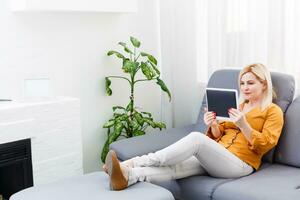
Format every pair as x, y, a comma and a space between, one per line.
55, 132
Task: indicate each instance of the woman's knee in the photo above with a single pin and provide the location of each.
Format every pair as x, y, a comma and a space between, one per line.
198, 138
197, 135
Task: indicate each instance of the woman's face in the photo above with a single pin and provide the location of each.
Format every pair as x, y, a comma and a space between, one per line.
251, 88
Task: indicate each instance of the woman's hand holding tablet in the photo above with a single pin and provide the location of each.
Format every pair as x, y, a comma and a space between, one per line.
220, 100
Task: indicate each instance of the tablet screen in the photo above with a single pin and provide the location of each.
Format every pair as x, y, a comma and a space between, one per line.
220, 100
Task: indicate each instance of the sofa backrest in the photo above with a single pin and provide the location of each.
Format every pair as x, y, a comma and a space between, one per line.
288, 148
283, 84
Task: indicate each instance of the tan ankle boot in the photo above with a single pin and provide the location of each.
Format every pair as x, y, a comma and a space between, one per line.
118, 177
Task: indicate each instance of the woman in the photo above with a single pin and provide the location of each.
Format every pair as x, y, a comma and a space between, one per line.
228, 150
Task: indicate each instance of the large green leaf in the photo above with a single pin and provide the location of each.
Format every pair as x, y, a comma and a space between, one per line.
122, 117
139, 118
160, 125
109, 124
149, 121
152, 59
128, 50
123, 44
118, 107
134, 124
147, 113
138, 132
128, 66
163, 87
119, 55
117, 114
155, 68
152, 71
125, 60
107, 86
135, 42
116, 133
146, 71
129, 107
105, 150
136, 65
144, 54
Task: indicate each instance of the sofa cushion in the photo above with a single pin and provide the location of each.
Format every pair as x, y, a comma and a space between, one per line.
194, 187
228, 78
199, 187
93, 186
287, 151
275, 182
285, 92
172, 186
152, 142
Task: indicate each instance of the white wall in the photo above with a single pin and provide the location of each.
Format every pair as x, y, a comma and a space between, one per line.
70, 49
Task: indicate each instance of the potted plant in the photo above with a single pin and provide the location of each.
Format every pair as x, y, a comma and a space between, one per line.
129, 121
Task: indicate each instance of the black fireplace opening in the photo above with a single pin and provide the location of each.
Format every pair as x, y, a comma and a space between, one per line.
15, 167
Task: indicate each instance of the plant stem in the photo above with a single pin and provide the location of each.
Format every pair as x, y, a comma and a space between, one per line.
134, 54
144, 80
120, 77
132, 87
137, 57
108, 132
132, 95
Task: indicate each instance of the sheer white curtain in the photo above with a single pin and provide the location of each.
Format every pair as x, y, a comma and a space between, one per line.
200, 36
179, 63
234, 33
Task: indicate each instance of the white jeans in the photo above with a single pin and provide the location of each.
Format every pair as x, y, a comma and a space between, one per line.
195, 154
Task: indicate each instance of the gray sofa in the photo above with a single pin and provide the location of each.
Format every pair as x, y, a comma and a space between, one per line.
277, 178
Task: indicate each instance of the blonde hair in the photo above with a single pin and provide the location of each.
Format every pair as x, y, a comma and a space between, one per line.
264, 76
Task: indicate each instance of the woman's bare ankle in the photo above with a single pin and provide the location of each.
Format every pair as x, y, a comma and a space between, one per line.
104, 167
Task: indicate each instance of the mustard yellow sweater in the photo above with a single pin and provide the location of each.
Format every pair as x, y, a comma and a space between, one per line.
267, 126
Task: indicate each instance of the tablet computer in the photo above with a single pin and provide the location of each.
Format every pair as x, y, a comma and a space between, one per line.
219, 100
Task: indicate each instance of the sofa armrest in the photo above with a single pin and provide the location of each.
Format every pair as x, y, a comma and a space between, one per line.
140, 145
